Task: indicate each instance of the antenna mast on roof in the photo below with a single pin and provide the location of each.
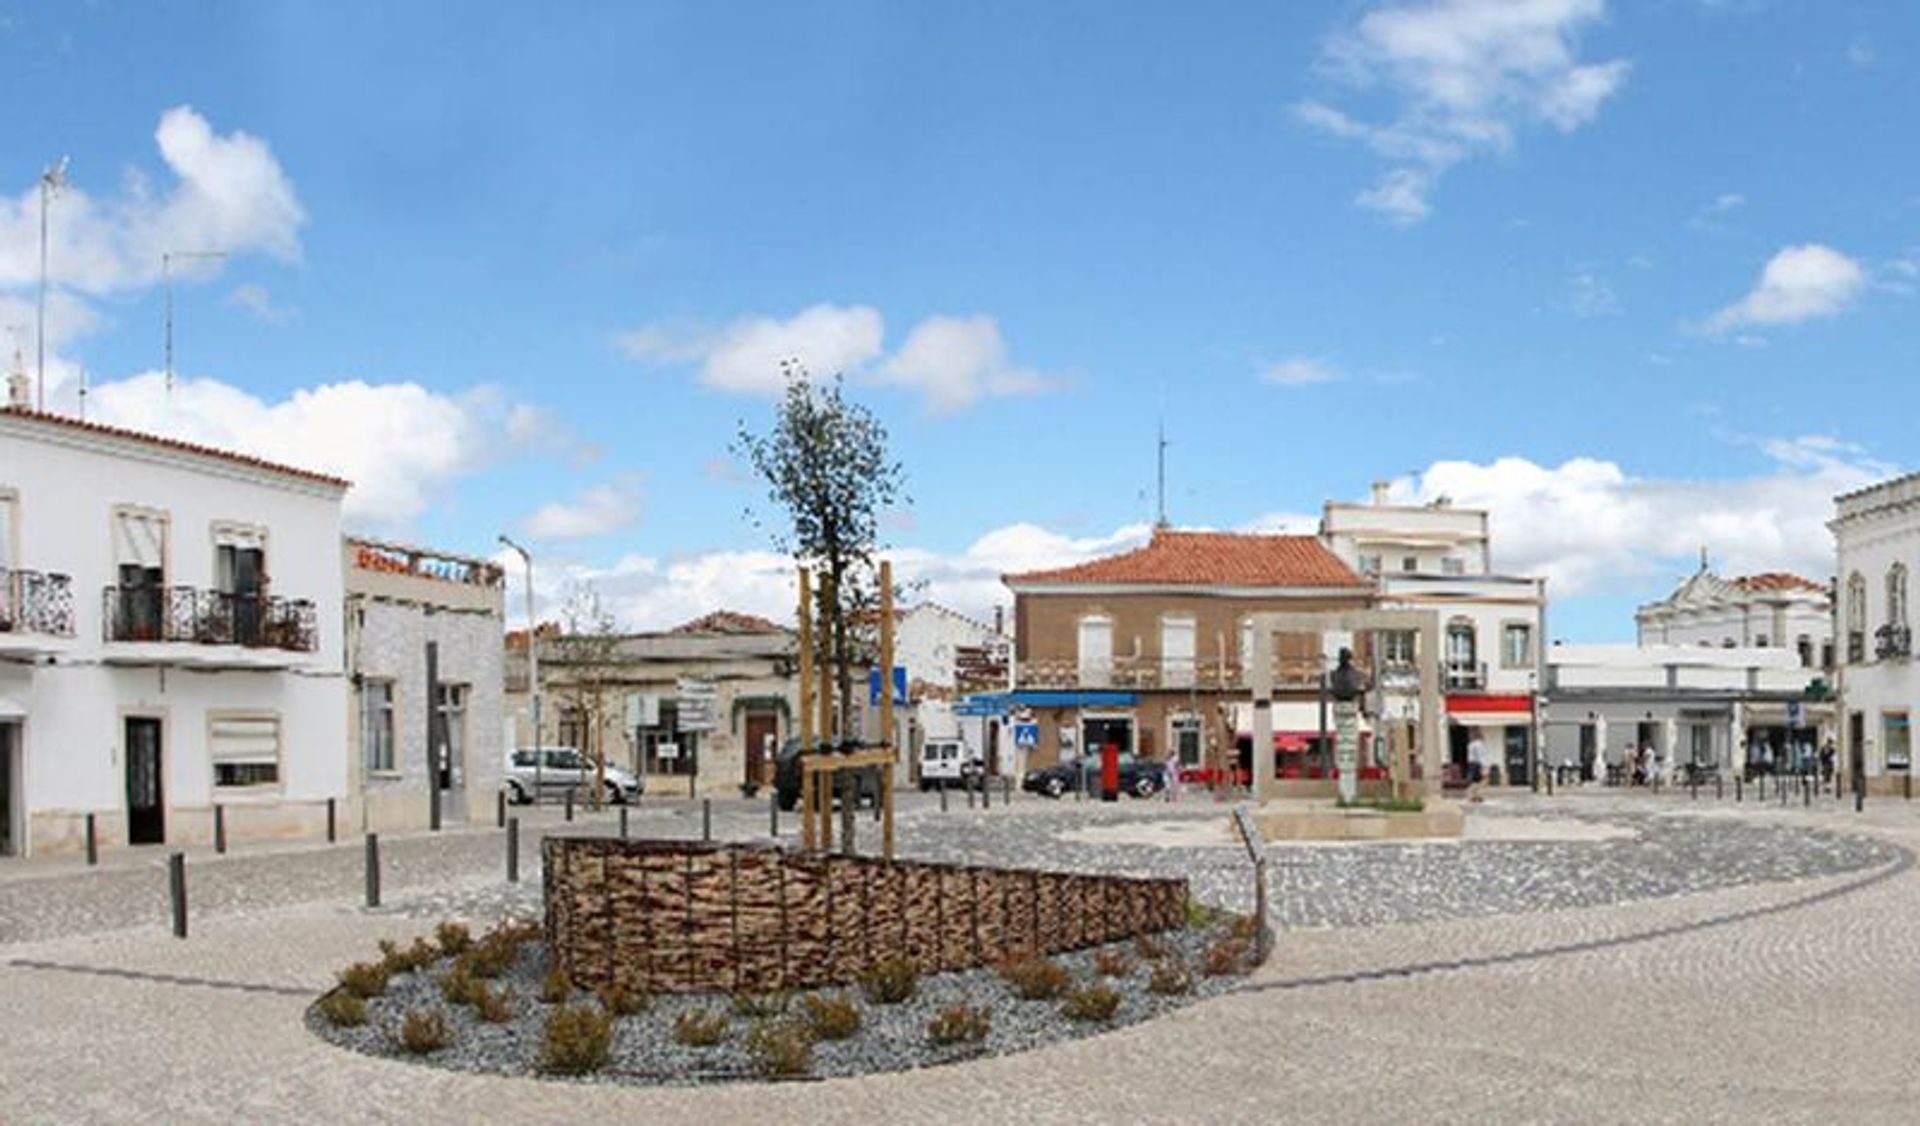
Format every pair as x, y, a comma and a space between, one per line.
1160, 455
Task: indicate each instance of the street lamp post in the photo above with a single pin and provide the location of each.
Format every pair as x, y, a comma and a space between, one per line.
533, 665
51, 181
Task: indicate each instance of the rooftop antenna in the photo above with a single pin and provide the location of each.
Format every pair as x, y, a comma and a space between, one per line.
51, 181
1160, 452
166, 272
1703, 557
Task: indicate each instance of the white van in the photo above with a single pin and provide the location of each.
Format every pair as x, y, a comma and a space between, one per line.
947, 762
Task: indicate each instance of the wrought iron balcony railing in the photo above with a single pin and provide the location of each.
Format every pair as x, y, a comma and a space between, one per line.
36, 602
1458, 677
1893, 641
1177, 673
208, 617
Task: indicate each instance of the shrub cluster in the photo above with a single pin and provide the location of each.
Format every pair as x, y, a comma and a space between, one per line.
494, 1006
555, 987
780, 1049
576, 1039
890, 982
1036, 979
831, 1017
1112, 963
425, 1030
958, 1024
1092, 1003
700, 1028
454, 938
343, 1009
1149, 947
1170, 980
624, 1000
365, 979
759, 1006
1225, 956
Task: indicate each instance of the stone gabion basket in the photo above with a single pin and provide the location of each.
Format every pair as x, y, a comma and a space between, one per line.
679, 916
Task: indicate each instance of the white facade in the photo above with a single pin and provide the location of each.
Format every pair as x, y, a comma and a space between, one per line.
1759, 611
929, 641
1877, 532
189, 655
1492, 626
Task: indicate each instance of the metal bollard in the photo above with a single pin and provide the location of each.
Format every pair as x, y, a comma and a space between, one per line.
1739, 784
1806, 792
220, 829
500, 809
569, 803
986, 791
706, 819
623, 822
330, 822
177, 892
373, 869
93, 843
943, 797
969, 790
1719, 787
513, 850
1907, 781
1006, 790
773, 814
1859, 794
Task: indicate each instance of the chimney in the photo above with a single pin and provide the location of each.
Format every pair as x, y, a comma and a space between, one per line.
19, 388
1380, 492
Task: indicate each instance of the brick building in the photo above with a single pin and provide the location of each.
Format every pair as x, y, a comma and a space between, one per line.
1149, 648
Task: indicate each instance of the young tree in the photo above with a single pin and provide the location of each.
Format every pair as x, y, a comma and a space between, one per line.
587, 653
826, 466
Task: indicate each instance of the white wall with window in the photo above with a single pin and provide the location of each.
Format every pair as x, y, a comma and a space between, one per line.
1877, 537
244, 750
376, 725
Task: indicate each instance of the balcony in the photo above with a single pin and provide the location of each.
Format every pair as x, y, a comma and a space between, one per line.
36, 613
1464, 677
188, 615
1164, 673
1891, 642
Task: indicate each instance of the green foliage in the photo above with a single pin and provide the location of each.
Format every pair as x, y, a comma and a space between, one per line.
494, 1006
1199, 914
556, 988
1036, 979
576, 1040
1384, 805
365, 979
831, 1017
890, 982
425, 1030
700, 1028
1112, 963
1170, 980
343, 1009
958, 1024
1092, 1003
780, 1049
454, 938
759, 1006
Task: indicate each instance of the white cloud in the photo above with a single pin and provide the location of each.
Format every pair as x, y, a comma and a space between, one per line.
1708, 217
1590, 296
228, 193
595, 512
256, 300
1299, 371
1590, 527
400, 444
1468, 76
952, 361
1797, 284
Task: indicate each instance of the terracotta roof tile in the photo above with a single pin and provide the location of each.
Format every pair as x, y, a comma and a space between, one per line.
728, 623
1210, 559
1775, 581
46, 419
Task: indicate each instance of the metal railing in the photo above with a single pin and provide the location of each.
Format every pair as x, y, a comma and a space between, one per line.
1892, 641
1467, 677
208, 617
1179, 673
36, 602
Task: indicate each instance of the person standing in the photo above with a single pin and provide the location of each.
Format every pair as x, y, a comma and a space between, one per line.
1476, 766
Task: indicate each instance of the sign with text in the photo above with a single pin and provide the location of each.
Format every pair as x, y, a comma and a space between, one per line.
695, 704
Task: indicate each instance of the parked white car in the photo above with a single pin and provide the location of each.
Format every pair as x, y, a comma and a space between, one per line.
557, 770
948, 762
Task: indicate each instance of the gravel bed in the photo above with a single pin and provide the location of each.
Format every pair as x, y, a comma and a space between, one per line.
891, 1037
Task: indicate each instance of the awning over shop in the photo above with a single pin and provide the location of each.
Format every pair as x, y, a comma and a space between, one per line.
1000, 703
1489, 711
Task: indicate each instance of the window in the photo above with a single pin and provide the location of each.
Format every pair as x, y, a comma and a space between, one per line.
573, 729
1463, 665
1856, 618
1096, 650
450, 761
9, 520
240, 575
1369, 564
1453, 566
1896, 735
1397, 646
666, 748
1516, 645
1760, 641
245, 750
376, 724
1410, 563
1897, 595
139, 557
1187, 739
1176, 650
1803, 645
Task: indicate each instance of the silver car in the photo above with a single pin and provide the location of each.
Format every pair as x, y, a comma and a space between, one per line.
556, 770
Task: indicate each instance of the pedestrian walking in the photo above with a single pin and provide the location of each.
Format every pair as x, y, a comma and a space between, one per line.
1476, 767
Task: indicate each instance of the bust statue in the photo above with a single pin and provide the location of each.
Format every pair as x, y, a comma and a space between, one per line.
1346, 682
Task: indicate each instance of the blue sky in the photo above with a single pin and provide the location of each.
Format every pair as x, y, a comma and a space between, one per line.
1639, 277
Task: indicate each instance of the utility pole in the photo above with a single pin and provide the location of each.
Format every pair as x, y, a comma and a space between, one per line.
166, 273
51, 181
1160, 490
533, 666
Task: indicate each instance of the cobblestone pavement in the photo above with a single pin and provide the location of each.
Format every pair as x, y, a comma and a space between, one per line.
1781, 990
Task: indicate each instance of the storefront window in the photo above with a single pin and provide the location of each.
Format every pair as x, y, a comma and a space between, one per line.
1897, 737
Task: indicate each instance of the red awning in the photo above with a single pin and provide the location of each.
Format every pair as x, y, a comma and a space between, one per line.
1486, 705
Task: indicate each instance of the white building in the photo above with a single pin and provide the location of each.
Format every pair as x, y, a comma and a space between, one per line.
170, 640
400, 599
1438, 557
1772, 610
939, 647
1702, 705
1877, 531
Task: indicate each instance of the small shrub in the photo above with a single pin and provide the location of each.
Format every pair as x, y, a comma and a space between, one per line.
491, 956
780, 1049
831, 1018
556, 988
364, 979
1225, 956
1149, 947
623, 1000
459, 987
890, 982
759, 1006
1199, 914
958, 1024
576, 1040
1112, 963
454, 938
700, 1028
342, 1009
1170, 980
1242, 928
1036, 979
1092, 1002
396, 960
515, 932
494, 1006
425, 1030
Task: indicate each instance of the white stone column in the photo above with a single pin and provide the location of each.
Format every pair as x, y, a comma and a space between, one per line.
1260, 680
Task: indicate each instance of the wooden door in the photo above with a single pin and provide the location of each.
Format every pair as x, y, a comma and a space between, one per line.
146, 798
762, 730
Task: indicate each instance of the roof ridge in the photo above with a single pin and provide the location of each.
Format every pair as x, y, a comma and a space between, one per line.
178, 444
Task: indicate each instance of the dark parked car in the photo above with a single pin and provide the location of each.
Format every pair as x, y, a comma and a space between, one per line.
786, 774
1141, 777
